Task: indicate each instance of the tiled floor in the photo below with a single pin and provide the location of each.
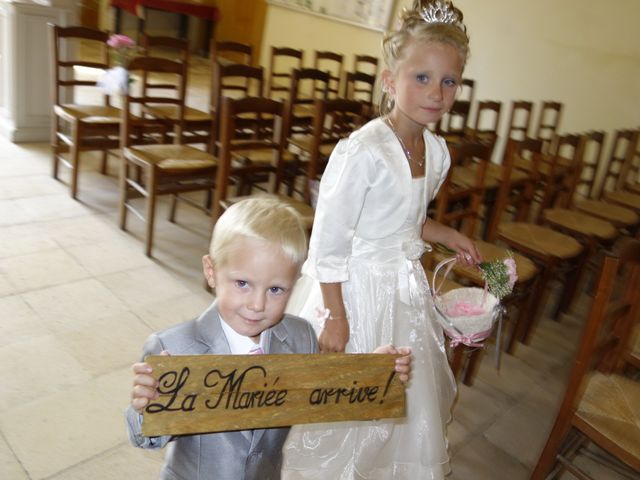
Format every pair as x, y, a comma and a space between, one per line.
78, 297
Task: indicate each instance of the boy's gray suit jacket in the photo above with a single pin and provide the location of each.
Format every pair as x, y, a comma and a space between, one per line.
238, 455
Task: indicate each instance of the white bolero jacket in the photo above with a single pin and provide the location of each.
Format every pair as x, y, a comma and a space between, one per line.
366, 192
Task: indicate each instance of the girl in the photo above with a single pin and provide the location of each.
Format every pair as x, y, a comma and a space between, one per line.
369, 233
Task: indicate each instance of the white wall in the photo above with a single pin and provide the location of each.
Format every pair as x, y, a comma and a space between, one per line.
584, 53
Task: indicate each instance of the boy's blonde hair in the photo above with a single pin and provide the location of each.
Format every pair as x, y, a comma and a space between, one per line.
260, 218
414, 27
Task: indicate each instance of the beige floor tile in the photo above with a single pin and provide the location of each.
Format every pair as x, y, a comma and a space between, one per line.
18, 321
475, 409
480, 460
28, 186
513, 378
166, 313
457, 436
10, 467
42, 269
107, 352
12, 213
51, 207
523, 429
109, 256
6, 287
36, 368
144, 285
61, 430
120, 463
71, 232
13, 244
73, 305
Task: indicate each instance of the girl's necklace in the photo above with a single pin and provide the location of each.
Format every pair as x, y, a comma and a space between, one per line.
404, 147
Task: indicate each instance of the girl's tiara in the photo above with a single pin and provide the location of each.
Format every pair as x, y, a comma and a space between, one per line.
442, 11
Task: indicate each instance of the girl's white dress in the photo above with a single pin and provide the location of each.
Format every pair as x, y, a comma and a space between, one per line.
386, 296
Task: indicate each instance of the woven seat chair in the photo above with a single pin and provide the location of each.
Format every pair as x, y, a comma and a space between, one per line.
149, 170
623, 151
587, 194
261, 154
196, 124
548, 123
282, 62
516, 225
78, 128
600, 406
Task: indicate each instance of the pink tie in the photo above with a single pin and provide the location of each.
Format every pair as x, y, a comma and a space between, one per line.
256, 351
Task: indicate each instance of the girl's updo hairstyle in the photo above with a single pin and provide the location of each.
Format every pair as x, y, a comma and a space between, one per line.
437, 21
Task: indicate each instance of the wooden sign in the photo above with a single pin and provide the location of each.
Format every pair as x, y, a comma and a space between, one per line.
212, 393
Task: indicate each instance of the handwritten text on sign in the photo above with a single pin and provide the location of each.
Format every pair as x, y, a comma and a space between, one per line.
212, 393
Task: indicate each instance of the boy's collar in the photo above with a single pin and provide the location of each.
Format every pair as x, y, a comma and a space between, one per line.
239, 344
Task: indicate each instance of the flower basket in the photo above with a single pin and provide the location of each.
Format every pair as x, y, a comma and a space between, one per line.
466, 314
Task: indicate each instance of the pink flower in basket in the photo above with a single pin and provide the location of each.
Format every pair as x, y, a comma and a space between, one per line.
510, 263
120, 41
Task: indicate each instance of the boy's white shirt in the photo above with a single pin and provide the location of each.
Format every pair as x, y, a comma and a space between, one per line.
239, 344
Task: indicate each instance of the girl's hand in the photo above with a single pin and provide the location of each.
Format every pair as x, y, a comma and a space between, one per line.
144, 385
403, 364
334, 336
465, 248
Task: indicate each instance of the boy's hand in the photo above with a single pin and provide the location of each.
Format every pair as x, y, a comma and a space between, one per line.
334, 336
403, 364
144, 385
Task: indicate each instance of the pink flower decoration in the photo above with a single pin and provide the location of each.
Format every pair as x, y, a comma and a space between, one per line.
120, 41
510, 263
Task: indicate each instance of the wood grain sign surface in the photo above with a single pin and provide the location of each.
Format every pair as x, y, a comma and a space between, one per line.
212, 393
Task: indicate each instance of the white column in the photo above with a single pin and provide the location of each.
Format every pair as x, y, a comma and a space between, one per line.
25, 70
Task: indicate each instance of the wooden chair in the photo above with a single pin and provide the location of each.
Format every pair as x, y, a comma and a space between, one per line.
333, 120
280, 77
600, 406
596, 234
481, 132
330, 62
235, 81
459, 205
263, 153
76, 127
548, 123
231, 52
195, 128
622, 152
515, 225
305, 89
452, 125
467, 90
360, 86
630, 175
151, 170
365, 64
586, 196
519, 122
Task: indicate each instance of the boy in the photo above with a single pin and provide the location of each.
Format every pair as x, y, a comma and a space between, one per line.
257, 249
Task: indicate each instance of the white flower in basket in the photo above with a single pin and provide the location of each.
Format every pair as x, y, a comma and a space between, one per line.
116, 80
468, 314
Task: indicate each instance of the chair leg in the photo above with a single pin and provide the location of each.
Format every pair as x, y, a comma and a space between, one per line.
103, 164
535, 304
547, 458
75, 160
570, 287
151, 210
457, 360
473, 362
173, 207
55, 146
124, 170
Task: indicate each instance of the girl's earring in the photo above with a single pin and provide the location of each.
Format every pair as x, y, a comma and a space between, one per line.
390, 100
